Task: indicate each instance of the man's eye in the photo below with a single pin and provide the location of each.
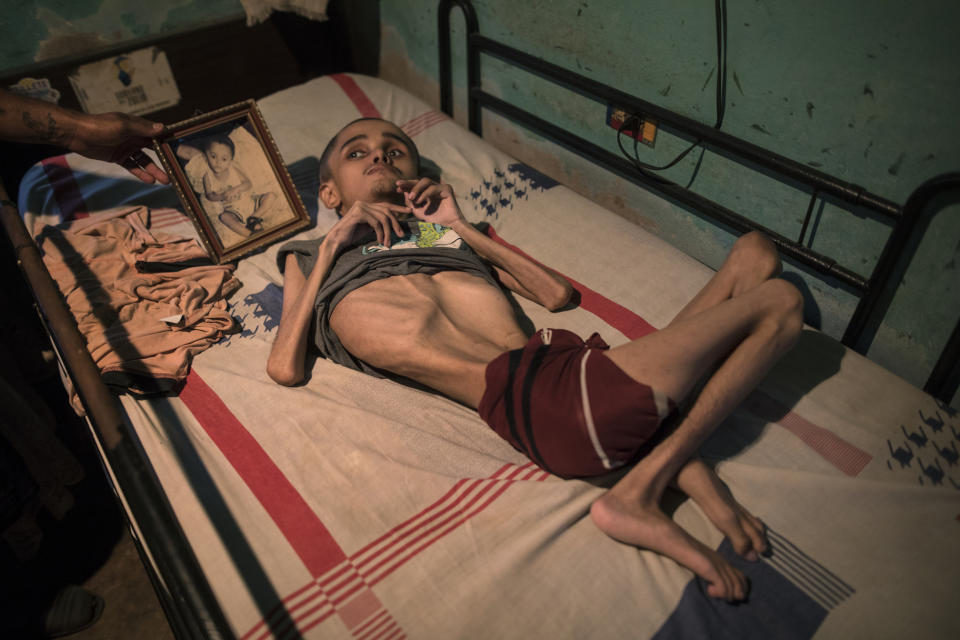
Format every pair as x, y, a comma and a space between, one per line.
395, 153
357, 153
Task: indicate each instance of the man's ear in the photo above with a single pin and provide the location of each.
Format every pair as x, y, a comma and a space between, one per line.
330, 195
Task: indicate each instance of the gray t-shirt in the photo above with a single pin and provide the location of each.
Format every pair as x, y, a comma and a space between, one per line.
427, 248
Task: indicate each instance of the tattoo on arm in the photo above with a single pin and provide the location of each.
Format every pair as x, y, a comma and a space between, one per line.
50, 132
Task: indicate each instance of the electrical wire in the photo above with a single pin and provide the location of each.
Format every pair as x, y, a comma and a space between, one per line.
633, 122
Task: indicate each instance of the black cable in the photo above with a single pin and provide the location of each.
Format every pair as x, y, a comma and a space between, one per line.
721, 61
634, 123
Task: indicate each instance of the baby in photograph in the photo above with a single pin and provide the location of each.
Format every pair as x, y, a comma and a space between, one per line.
227, 191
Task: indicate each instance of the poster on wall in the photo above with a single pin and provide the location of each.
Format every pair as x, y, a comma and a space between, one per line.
138, 82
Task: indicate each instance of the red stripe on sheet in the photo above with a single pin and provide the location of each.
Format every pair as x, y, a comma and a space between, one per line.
506, 485
360, 100
423, 122
620, 318
844, 456
441, 513
412, 536
298, 523
66, 191
371, 626
301, 527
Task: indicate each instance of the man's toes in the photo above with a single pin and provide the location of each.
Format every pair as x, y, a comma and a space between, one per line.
742, 543
757, 532
741, 587
717, 590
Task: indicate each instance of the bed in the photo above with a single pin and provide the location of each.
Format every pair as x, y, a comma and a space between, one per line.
367, 509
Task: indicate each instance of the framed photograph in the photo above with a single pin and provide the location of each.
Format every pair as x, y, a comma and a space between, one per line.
232, 181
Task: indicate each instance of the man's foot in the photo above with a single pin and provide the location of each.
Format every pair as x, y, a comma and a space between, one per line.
746, 532
648, 527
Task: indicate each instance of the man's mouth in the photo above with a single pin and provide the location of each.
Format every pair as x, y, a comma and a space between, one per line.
382, 168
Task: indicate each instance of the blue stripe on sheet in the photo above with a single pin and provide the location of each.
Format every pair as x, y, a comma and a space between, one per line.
790, 596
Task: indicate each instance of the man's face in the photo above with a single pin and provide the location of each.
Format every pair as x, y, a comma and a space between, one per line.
368, 159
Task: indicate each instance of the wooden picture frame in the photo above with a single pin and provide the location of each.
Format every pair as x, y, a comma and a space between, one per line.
232, 181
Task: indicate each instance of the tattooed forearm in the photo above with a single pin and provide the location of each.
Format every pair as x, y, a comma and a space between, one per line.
49, 132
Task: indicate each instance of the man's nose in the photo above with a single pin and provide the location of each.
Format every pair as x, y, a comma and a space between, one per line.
379, 155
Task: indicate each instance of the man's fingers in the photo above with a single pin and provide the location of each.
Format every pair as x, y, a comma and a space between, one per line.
430, 193
158, 173
390, 223
416, 193
397, 208
396, 226
384, 233
419, 192
140, 165
142, 175
135, 126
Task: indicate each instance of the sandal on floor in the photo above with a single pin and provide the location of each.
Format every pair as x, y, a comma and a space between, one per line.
74, 609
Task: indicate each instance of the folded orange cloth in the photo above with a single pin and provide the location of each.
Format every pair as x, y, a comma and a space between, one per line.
142, 329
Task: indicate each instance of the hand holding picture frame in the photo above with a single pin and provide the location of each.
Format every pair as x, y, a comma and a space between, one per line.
232, 182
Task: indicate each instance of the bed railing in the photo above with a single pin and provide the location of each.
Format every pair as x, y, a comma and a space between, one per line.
875, 291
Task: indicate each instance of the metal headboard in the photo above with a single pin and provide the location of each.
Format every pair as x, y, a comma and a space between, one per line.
875, 291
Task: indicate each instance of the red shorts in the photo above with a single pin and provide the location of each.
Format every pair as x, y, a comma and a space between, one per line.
565, 405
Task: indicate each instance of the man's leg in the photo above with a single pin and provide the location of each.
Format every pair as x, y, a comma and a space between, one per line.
752, 260
751, 330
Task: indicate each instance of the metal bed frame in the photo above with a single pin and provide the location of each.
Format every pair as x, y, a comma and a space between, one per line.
184, 593
909, 221
181, 587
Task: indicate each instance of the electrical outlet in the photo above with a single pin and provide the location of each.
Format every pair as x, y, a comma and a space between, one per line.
646, 132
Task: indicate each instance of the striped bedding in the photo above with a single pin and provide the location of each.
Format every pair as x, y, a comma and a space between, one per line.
354, 507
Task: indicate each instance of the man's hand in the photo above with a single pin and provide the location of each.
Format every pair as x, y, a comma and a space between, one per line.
114, 137
120, 138
380, 216
431, 201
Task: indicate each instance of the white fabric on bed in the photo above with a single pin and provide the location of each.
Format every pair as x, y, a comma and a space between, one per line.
281, 490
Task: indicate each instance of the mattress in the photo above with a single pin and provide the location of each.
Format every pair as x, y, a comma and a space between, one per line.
358, 507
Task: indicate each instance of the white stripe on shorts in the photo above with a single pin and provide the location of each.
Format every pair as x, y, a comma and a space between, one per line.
588, 414
663, 403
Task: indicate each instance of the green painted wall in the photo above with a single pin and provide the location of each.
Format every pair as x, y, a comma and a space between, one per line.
38, 30
867, 90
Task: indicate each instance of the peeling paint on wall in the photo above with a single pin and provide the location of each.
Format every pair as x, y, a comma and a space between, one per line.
47, 29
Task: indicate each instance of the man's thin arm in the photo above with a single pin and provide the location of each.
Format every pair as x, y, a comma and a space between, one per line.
518, 273
287, 361
34, 121
112, 137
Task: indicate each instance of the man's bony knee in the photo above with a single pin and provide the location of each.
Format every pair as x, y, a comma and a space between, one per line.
787, 303
759, 252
